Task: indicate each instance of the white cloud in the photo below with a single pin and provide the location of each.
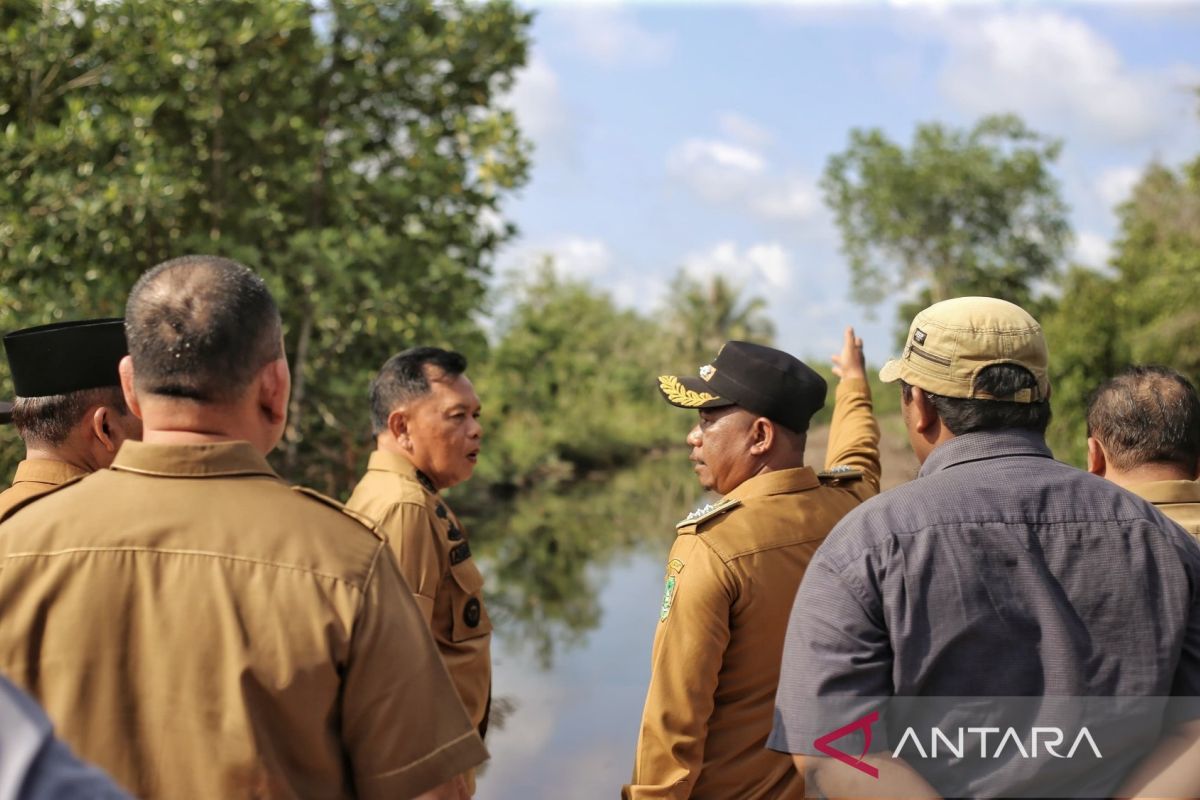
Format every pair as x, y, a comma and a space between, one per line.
712, 153
744, 130
611, 36
718, 171
537, 100
1092, 249
575, 257
1058, 72
733, 174
794, 199
1115, 185
767, 263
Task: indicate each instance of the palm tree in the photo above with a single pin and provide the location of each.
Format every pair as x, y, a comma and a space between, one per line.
703, 316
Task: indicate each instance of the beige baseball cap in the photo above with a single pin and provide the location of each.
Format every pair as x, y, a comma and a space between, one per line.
951, 341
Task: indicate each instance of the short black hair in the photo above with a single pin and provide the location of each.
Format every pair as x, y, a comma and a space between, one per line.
1146, 414
48, 421
403, 377
201, 327
962, 415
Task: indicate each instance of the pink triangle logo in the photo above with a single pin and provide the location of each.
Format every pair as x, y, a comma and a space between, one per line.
822, 744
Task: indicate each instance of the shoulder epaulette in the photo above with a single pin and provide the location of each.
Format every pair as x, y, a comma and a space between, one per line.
840, 473
362, 519
708, 512
69, 482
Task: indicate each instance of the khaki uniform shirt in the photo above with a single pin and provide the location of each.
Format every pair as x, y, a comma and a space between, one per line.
731, 579
34, 477
1179, 500
198, 629
435, 557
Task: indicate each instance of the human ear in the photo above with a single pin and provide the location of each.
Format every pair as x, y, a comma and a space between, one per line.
125, 370
398, 427
274, 387
926, 415
1097, 463
762, 436
101, 429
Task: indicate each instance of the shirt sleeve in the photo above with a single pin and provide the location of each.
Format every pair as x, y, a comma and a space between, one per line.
854, 435
689, 647
837, 663
414, 540
404, 728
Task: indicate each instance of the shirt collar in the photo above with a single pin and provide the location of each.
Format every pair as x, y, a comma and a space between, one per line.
1167, 491
396, 463
46, 470
983, 445
215, 460
783, 481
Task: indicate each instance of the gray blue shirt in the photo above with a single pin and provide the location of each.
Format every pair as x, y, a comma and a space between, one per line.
34, 765
998, 573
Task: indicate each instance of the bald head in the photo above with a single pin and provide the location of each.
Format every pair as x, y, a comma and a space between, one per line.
201, 328
1147, 415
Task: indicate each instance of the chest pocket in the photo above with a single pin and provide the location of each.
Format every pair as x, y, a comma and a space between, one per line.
470, 617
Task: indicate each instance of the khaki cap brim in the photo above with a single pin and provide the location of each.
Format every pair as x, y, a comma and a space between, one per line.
687, 392
890, 372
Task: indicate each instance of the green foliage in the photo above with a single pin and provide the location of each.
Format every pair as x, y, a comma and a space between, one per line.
957, 213
1146, 311
571, 385
349, 152
701, 317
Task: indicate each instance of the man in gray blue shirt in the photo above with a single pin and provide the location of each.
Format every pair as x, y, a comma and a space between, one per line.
34, 765
1043, 600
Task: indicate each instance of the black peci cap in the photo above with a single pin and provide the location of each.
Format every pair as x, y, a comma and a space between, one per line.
760, 379
66, 356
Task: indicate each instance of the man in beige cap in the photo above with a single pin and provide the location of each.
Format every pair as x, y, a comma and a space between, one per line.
1143, 430
998, 573
196, 627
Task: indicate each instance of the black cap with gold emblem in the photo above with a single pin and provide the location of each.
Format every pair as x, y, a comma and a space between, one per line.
758, 378
66, 356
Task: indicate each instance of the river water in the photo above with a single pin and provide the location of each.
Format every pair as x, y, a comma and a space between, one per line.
574, 585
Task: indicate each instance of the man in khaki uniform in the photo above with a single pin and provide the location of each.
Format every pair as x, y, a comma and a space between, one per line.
425, 414
735, 566
1143, 431
192, 624
69, 409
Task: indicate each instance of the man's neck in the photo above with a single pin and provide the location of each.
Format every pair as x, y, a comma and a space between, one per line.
62, 455
1149, 473
176, 423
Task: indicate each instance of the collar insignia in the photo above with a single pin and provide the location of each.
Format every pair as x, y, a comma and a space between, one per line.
426, 482
708, 512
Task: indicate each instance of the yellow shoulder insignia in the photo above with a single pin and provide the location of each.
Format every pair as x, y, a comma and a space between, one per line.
708, 512
362, 519
680, 395
842, 473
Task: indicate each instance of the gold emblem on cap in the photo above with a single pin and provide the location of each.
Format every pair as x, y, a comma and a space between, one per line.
707, 371
680, 395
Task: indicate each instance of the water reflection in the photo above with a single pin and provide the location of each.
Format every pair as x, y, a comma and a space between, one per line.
543, 552
574, 583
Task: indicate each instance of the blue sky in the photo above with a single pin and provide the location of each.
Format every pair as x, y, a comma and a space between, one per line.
692, 135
